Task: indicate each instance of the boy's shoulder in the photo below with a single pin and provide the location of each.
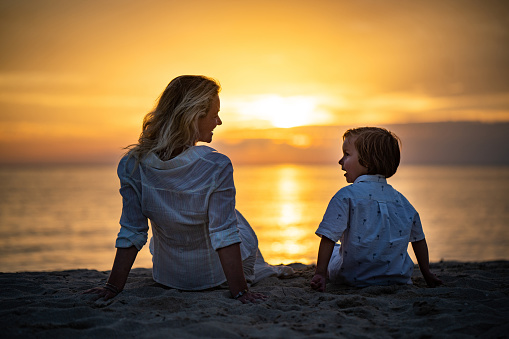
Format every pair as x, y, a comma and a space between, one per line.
348, 191
362, 184
370, 187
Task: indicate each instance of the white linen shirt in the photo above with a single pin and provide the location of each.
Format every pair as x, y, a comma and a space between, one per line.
374, 224
190, 201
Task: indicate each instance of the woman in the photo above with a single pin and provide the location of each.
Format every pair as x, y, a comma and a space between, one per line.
199, 239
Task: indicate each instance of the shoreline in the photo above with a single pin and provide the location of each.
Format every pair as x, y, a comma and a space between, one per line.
473, 302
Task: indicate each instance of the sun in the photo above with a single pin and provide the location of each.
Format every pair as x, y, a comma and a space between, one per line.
282, 112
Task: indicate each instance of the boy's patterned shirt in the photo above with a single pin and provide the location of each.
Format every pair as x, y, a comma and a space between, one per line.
374, 224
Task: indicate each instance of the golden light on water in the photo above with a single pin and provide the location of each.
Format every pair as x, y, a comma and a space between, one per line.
289, 215
286, 222
287, 185
288, 247
77, 230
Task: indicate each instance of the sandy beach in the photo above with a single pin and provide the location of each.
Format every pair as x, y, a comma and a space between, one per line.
474, 302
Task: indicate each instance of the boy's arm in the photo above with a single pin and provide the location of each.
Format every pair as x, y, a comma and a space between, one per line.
421, 253
324, 253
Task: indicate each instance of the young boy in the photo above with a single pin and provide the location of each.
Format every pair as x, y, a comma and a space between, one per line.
373, 221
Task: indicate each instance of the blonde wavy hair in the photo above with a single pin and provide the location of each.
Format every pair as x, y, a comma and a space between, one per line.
172, 126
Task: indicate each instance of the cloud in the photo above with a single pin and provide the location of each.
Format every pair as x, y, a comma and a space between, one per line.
437, 48
77, 100
72, 66
447, 143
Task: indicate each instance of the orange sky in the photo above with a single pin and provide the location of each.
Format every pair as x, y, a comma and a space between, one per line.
77, 77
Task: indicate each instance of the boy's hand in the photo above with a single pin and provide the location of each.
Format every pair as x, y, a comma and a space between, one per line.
318, 283
432, 280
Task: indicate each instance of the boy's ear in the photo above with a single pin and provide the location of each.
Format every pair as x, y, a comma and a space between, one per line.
363, 163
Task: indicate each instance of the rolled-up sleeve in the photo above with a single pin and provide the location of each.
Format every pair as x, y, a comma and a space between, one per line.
134, 225
223, 228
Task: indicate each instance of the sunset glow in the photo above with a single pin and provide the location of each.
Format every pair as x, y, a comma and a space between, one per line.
89, 71
280, 111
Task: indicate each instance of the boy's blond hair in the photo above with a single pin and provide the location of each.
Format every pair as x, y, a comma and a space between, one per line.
378, 148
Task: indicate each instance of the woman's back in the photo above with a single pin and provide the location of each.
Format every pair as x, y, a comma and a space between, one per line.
190, 201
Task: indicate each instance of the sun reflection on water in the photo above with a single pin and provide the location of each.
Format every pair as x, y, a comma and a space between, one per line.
77, 211
289, 214
292, 208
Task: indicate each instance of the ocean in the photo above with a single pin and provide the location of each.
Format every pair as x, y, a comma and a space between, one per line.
66, 217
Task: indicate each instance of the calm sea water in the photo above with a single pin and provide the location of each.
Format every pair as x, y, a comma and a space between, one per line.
56, 218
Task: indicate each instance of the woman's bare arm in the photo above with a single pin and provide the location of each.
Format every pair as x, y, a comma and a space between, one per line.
124, 260
231, 261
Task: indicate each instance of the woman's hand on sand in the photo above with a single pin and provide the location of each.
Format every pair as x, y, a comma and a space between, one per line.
250, 297
101, 292
318, 283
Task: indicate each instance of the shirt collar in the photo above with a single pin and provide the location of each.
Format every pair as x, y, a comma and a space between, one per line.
188, 156
369, 177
